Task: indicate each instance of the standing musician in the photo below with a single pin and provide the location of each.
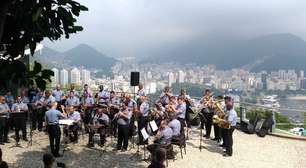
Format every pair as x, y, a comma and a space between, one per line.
52, 117
131, 106
73, 100
114, 105
102, 96
207, 112
9, 99
143, 113
76, 117
24, 98
72, 89
4, 120
58, 94
231, 119
180, 111
123, 120
49, 99
165, 96
87, 90
141, 91
20, 121
159, 113
188, 103
87, 105
163, 137
38, 111
217, 129
98, 124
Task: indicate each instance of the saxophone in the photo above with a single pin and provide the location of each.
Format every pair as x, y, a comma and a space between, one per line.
218, 118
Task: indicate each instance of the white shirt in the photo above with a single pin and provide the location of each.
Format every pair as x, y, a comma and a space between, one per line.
57, 94
17, 107
103, 96
144, 109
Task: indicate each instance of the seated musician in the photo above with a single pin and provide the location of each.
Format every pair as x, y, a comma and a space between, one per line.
20, 121
73, 100
170, 107
142, 118
180, 111
175, 125
163, 137
159, 113
87, 104
165, 96
98, 124
75, 116
102, 96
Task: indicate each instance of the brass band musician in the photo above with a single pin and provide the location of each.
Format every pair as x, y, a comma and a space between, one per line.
71, 131
98, 124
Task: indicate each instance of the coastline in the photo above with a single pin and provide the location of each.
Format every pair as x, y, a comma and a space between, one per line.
303, 97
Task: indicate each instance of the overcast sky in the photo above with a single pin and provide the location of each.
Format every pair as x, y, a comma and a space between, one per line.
129, 27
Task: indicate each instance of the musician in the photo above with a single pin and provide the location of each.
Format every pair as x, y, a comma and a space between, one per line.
131, 106
207, 112
38, 111
9, 99
188, 103
163, 137
32, 92
58, 94
165, 96
4, 120
180, 111
102, 96
52, 117
20, 121
48, 100
141, 91
72, 89
87, 104
123, 120
217, 129
24, 98
159, 113
76, 117
143, 113
86, 90
114, 104
98, 124
231, 118
170, 107
73, 100
175, 125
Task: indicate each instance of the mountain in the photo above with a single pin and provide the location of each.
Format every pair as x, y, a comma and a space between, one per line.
270, 52
81, 55
84, 55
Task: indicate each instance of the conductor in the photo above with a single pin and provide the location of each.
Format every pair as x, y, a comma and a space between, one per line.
52, 117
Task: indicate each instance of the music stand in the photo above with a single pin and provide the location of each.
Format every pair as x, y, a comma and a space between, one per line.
16, 116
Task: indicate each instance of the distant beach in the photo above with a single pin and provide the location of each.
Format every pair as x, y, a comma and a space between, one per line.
303, 97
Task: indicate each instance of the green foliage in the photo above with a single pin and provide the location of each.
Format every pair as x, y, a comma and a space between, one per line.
194, 90
305, 120
26, 24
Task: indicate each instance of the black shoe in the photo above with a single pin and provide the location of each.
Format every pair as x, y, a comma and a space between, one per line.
90, 145
25, 139
207, 137
123, 150
58, 155
215, 139
7, 141
222, 145
115, 150
1, 143
226, 155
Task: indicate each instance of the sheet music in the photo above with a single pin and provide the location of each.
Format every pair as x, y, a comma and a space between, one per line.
144, 134
153, 126
66, 122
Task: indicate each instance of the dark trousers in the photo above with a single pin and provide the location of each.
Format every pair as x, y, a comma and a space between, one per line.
208, 123
20, 124
217, 131
142, 123
223, 136
38, 118
229, 140
54, 132
123, 136
101, 131
72, 132
2, 128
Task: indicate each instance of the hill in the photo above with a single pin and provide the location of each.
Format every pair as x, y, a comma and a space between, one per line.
270, 52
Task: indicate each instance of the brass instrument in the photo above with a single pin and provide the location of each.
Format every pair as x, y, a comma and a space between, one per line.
219, 117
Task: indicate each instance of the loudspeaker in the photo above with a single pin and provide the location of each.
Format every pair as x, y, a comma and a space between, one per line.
135, 78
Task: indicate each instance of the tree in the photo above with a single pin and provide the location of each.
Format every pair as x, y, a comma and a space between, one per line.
23, 24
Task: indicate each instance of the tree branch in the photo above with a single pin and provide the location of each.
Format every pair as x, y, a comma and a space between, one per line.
4, 6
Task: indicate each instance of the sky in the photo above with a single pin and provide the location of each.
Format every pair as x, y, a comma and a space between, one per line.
130, 28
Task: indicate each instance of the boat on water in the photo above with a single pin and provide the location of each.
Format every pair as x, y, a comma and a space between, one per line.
270, 101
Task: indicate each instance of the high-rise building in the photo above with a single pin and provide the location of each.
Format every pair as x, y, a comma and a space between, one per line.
64, 77
181, 77
55, 78
171, 79
75, 76
85, 76
264, 81
301, 75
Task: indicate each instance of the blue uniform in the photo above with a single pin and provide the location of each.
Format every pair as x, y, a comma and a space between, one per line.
52, 116
175, 125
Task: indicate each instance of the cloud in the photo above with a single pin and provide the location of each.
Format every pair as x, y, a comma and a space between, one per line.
131, 27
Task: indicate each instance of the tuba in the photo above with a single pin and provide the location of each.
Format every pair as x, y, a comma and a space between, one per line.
218, 118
